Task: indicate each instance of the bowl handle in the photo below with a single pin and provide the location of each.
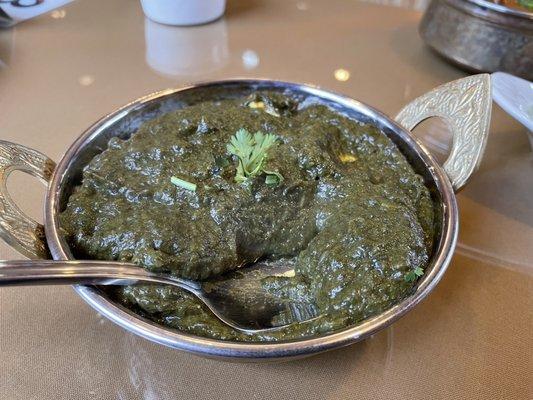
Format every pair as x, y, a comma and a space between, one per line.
465, 105
16, 228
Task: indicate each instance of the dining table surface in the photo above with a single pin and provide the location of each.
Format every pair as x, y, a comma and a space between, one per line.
471, 338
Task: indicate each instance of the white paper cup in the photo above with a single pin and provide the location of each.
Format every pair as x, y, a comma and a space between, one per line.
183, 12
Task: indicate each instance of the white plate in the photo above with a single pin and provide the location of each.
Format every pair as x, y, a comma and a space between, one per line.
515, 96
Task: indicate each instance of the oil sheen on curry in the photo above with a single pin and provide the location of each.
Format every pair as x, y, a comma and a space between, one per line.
214, 186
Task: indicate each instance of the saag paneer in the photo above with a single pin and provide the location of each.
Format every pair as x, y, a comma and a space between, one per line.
334, 195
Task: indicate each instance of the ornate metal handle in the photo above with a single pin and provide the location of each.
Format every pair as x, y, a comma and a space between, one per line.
465, 105
16, 228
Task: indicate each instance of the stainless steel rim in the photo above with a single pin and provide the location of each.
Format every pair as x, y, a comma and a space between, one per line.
258, 351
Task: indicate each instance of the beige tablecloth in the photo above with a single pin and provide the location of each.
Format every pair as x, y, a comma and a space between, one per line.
471, 339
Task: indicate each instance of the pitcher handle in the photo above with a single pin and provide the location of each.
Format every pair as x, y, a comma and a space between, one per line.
465, 105
16, 228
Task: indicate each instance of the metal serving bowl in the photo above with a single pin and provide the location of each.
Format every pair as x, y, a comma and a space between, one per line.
465, 105
480, 35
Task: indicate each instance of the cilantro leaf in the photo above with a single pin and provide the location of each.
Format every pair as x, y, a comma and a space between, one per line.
252, 152
413, 275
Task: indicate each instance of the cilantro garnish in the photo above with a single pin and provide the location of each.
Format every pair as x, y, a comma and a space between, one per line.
251, 152
414, 274
183, 184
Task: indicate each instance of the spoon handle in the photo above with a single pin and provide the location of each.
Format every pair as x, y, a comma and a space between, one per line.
49, 272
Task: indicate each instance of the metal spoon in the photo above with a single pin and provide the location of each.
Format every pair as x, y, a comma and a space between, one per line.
238, 299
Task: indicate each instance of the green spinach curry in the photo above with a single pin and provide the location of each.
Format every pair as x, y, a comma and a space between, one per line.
333, 195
